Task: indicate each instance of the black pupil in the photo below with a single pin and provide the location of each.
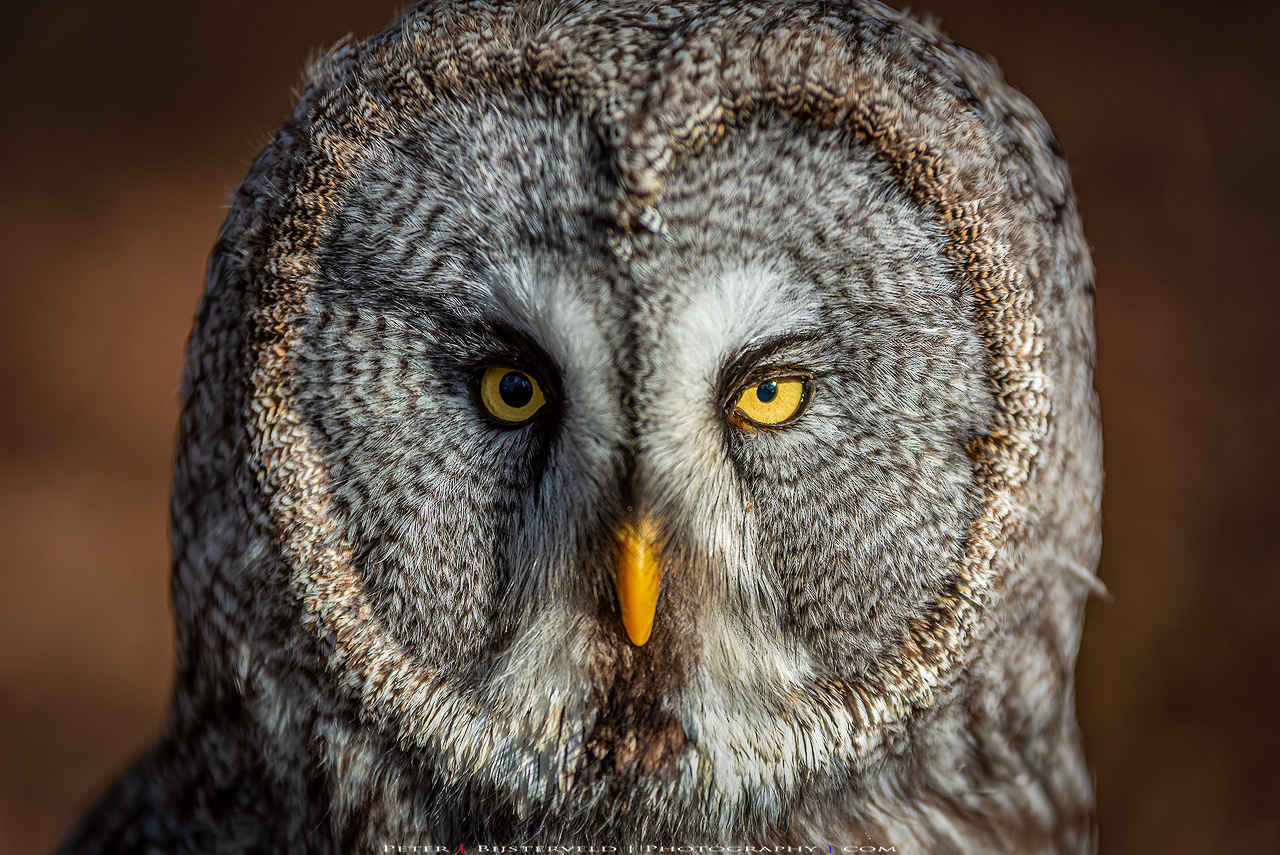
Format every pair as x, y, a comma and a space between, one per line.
516, 389
766, 392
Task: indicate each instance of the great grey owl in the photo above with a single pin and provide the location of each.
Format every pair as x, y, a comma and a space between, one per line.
635, 425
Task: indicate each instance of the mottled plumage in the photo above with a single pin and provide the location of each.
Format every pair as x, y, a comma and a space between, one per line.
397, 615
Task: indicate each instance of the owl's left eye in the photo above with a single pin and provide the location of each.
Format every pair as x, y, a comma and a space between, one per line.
775, 402
509, 394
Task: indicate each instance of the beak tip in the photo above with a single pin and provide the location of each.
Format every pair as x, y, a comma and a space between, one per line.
638, 631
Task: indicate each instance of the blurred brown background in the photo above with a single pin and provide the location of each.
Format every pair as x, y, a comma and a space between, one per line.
127, 123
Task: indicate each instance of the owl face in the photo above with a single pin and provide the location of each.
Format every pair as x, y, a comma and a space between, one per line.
645, 424
635, 514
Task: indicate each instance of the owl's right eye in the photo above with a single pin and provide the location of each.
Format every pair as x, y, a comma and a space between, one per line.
509, 394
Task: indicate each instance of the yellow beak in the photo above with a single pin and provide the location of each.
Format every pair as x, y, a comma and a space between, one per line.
638, 578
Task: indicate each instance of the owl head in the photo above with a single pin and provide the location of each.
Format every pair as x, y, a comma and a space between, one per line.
651, 423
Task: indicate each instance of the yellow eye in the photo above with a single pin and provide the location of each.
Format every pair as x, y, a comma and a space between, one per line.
777, 401
510, 395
